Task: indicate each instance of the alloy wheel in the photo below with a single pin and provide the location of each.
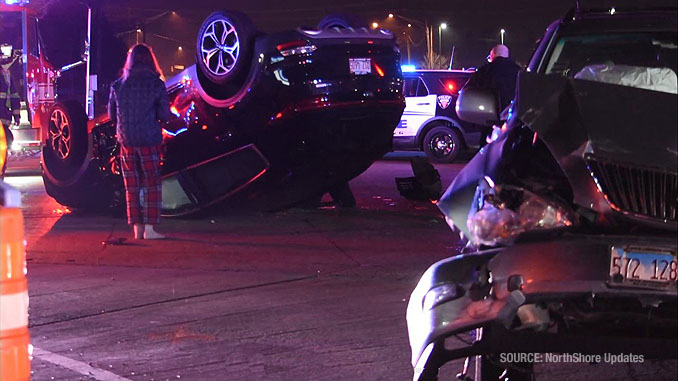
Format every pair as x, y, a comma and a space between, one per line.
442, 145
60, 134
220, 47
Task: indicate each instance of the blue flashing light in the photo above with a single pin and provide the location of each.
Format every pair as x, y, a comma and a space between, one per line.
170, 133
16, 2
408, 68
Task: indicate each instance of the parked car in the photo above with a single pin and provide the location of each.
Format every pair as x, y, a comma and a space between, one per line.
429, 122
263, 119
569, 214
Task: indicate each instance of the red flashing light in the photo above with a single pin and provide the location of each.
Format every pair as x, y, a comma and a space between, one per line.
451, 86
278, 115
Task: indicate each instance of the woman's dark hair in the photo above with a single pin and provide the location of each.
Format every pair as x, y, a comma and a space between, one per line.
141, 55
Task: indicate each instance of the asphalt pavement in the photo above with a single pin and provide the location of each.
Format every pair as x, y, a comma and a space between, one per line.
300, 294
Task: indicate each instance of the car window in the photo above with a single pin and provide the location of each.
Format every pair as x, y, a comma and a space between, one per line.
573, 53
414, 87
452, 85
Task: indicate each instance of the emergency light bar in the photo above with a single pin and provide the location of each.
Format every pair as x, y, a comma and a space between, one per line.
16, 2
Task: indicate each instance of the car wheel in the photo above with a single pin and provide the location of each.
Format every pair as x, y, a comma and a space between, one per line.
65, 154
224, 46
340, 20
442, 144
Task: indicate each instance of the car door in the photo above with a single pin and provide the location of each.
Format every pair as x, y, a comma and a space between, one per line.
420, 106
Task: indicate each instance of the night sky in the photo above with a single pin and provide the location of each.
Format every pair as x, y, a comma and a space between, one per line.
473, 27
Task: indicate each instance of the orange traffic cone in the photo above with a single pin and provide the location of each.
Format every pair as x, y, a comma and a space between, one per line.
14, 339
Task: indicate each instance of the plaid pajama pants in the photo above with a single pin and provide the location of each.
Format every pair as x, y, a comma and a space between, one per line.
141, 173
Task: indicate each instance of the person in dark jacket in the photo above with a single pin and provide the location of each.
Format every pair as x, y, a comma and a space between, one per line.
10, 99
138, 104
499, 76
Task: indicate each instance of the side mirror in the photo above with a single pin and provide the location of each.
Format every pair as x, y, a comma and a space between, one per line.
477, 106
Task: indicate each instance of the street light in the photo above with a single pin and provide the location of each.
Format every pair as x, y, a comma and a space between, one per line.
375, 25
440, 35
428, 30
502, 32
391, 15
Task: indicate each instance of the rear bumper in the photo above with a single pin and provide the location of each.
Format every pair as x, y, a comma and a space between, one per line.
568, 269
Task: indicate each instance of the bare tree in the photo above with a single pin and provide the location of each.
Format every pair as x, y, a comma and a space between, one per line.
436, 62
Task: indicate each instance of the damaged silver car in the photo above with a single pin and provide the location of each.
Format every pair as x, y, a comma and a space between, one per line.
569, 214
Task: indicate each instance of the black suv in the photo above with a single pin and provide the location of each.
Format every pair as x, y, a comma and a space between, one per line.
268, 120
429, 122
570, 214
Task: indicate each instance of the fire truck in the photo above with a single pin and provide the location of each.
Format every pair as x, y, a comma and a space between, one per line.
30, 74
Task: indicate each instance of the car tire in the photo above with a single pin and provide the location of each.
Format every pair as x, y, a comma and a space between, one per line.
442, 144
69, 173
224, 47
341, 20
66, 152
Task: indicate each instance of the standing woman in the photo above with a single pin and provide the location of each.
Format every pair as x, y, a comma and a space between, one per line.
138, 104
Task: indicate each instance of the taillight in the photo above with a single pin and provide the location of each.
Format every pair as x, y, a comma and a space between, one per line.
379, 70
294, 48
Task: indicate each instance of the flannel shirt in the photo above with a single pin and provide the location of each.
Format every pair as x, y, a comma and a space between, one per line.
138, 105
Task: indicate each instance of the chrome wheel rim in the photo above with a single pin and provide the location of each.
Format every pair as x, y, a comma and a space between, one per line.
60, 134
219, 47
442, 145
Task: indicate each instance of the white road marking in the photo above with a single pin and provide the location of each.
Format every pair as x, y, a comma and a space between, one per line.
77, 366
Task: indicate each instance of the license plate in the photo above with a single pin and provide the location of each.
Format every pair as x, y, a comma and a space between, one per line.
360, 66
636, 267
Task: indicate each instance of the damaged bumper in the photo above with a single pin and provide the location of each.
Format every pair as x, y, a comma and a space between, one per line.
455, 296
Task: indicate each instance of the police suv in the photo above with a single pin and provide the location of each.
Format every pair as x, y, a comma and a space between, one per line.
429, 122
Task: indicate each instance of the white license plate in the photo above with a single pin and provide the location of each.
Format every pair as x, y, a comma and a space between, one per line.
637, 267
360, 66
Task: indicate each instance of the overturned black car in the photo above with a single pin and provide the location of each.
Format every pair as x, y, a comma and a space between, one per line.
261, 120
570, 213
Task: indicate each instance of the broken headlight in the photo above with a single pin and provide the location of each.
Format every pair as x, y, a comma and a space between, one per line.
440, 294
501, 213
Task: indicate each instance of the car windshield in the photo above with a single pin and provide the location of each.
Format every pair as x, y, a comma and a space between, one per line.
572, 54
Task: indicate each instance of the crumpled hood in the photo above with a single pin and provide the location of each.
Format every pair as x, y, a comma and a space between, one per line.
619, 123
580, 121
625, 136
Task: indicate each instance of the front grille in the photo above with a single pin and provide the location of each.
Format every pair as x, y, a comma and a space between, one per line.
642, 191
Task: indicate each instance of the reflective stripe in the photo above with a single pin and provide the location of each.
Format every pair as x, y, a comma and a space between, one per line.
14, 311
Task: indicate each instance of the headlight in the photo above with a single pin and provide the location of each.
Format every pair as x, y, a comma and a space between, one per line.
503, 212
441, 294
